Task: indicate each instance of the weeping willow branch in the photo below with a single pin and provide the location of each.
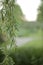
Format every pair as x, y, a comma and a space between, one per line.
7, 27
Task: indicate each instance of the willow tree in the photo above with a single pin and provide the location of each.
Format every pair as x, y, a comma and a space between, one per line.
7, 28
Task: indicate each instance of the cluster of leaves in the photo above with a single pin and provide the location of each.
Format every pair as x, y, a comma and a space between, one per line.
7, 30
5, 60
8, 22
10, 16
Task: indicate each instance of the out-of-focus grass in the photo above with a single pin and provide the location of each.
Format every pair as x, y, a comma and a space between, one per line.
28, 33
34, 44
29, 54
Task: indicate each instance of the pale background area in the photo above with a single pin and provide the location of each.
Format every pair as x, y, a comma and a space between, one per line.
29, 8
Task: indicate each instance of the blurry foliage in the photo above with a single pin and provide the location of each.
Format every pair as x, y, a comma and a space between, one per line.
40, 17
28, 28
40, 12
8, 26
10, 18
29, 54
